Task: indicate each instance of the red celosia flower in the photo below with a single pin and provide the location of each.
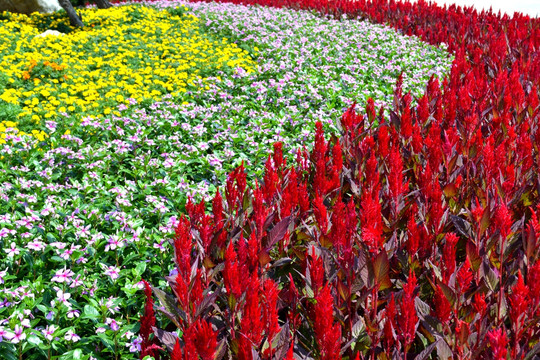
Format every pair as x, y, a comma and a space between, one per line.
519, 303
413, 237
407, 317
383, 142
290, 352
279, 162
396, 186
148, 320
370, 110
270, 308
183, 247
204, 339
449, 256
350, 120
498, 342
177, 351
389, 324
479, 304
260, 212
464, 276
271, 181
252, 321
533, 279
327, 334
231, 273
443, 308
321, 216
503, 220
316, 272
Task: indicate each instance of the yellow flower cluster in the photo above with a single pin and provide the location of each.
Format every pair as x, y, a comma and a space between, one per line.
123, 52
10, 127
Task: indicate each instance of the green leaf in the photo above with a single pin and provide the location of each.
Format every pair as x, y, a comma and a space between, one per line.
34, 340
90, 312
139, 269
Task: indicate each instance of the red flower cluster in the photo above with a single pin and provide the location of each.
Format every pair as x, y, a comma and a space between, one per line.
425, 224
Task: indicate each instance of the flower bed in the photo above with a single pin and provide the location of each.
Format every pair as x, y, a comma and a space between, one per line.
89, 195
112, 61
415, 239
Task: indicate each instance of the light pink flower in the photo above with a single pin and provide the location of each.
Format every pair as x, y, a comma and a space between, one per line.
112, 271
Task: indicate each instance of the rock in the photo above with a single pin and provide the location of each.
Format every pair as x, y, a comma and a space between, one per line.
29, 6
50, 32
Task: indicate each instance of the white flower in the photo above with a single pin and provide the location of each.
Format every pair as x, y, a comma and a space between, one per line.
71, 336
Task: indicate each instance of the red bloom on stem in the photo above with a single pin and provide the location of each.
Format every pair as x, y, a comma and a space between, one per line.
321, 216
252, 323
498, 342
147, 322
270, 307
449, 256
327, 334
182, 247
407, 318
231, 272
443, 308
177, 351
316, 272
203, 338
519, 303
389, 324
464, 276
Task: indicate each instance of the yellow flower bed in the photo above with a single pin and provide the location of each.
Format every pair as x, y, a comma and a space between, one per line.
123, 52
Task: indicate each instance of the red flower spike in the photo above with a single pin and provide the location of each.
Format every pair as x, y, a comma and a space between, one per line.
270, 306
290, 352
371, 220
231, 273
443, 309
244, 348
389, 325
319, 209
449, 256
370, 110
182, 247
260, 211
503, 221
464, 277
252, 323
148, 320
337, 159
395, 177
271, 181
327, 334
406, 121
177, 351
533, 279
407, 318
498, 341
316, 272
519, 304
383, 142
204, 340
422, 110
479, 304
279, 162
